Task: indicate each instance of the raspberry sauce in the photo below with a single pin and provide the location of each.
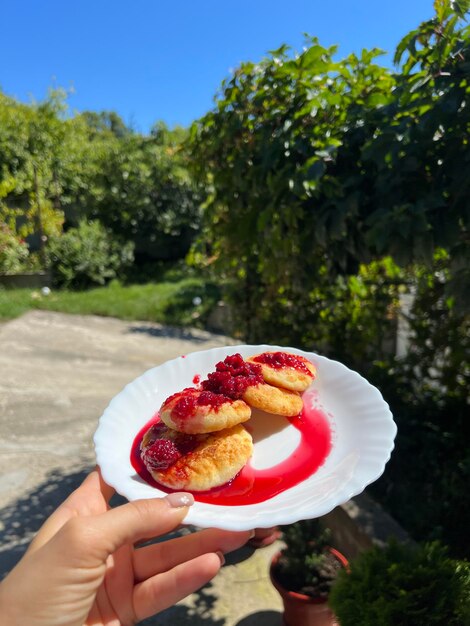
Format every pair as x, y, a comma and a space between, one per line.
189, 401
278, 360
251, 486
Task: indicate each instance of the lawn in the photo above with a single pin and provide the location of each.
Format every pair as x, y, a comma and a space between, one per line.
178, 302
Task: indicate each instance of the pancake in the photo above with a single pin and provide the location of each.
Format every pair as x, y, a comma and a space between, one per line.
273, 400
237, 378
286, 370
195, 462
195, 411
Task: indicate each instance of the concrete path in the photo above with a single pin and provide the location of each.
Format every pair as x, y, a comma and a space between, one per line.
57, 374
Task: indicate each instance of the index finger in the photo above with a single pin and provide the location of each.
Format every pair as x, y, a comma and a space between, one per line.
94, 483
160, 557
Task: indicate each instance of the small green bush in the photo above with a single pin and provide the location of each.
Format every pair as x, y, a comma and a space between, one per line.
14, 252
87, 256
403, 585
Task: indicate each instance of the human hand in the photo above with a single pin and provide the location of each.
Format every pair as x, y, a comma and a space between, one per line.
83, 566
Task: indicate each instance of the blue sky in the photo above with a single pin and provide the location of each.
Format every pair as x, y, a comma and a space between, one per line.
155, 60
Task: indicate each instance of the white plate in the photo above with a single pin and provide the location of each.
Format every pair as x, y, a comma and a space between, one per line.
362, 428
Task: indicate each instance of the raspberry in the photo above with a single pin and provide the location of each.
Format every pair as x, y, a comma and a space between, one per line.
232, 377
161, 454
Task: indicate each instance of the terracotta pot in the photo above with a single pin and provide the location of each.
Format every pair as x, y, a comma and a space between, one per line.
302, 610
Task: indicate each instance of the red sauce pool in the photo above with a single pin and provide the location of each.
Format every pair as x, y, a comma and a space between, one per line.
251, 486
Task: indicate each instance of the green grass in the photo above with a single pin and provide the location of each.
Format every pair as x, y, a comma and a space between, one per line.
165, 302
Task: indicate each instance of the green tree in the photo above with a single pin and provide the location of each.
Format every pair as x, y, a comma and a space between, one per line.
106, 121
288, 197
31, 138
420, 151
55, 166
147, 196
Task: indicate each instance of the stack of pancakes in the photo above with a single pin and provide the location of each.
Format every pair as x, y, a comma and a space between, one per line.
201, 442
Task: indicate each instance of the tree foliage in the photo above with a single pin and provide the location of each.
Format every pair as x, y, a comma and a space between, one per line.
31, 144
147, 195
14, 252
320, 165
58, 168
421, 152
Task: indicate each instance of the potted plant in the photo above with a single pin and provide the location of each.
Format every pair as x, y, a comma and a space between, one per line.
406, 585
304, 572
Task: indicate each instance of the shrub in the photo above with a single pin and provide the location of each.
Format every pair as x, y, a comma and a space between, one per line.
192, 304
14, 252
405, 585
86, 256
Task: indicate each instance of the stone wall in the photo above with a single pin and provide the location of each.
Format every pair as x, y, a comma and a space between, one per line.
26, 280
360, 524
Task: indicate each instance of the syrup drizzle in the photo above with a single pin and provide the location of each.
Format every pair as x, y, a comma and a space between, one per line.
252, 486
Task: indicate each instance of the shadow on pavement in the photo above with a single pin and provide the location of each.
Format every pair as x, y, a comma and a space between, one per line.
22, 519
237, 556
199, 614
262, 618
171, 332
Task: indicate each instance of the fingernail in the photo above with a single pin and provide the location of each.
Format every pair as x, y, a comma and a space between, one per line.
221, 557
178, 500
252, 534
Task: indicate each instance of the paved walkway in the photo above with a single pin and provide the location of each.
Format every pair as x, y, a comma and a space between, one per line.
57, 374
